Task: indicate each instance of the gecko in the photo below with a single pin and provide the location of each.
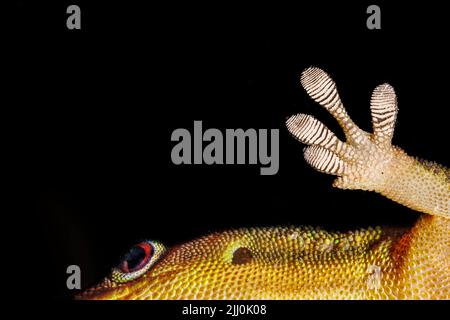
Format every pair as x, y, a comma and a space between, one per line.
310, 262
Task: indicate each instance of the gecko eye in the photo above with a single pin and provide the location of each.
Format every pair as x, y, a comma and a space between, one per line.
137, 257
137, 261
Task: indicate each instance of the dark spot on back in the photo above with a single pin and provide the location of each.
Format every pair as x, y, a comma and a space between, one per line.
242, 255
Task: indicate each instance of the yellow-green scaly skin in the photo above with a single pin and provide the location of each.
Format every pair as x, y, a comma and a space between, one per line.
310, 263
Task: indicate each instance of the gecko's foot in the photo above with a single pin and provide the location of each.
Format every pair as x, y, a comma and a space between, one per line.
360, 161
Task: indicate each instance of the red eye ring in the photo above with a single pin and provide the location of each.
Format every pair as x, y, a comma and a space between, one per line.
137, 261
137, 257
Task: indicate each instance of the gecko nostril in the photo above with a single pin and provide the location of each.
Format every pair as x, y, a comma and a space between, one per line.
241, 256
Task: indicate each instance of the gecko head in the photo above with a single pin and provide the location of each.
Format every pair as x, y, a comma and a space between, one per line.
151, 271
135, 264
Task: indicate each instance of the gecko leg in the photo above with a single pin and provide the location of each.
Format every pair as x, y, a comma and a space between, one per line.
368, 161
358, 162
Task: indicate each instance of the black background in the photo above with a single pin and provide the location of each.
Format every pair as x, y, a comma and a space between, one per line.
94, 110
